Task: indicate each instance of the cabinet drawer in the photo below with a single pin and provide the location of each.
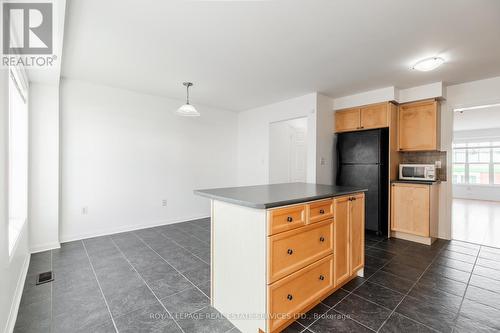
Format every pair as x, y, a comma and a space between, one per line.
287, 218
295, 249
320, 210
289, 296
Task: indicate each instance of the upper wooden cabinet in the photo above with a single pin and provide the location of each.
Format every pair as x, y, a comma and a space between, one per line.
419, 126
347, 120
362, 118
375, 116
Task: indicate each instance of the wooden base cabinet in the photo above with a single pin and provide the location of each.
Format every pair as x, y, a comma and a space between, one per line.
414, 211
276, 264
349, 233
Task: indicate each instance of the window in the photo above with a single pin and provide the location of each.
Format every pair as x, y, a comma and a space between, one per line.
477, 163
18, 156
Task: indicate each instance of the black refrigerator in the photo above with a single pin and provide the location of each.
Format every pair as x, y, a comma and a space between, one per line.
362, 161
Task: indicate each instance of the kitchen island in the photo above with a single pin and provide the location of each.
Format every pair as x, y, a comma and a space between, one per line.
278, 250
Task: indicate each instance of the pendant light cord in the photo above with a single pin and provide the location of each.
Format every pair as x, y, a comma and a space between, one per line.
187, 94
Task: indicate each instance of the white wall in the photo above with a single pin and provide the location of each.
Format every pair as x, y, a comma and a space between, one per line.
426, 91
461, 95
326, 161
476, 192
44, 167
123, 152
253, 137
487, 133
12, 268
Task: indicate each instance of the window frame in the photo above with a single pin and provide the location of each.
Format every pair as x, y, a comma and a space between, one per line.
491, 164
17, 81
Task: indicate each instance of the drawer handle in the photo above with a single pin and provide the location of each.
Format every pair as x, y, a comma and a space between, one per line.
322, 239
289, 297
290, 251
322, 211
289, 219
321, 277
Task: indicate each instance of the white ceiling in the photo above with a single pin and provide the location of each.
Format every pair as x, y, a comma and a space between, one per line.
477, 119
243, 54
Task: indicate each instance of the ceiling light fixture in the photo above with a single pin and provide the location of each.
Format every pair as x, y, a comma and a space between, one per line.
187, 109
428, 64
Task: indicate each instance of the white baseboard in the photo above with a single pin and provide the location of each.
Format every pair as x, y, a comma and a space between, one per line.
11, 321
70, 238
45, 247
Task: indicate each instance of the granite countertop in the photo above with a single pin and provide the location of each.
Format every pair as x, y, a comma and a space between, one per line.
424, 182
275, 195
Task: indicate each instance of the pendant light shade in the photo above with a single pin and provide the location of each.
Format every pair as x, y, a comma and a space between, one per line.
187, 109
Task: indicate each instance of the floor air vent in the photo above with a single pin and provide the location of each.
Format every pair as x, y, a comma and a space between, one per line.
44, 278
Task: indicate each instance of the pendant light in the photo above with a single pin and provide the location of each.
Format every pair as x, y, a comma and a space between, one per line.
187, 109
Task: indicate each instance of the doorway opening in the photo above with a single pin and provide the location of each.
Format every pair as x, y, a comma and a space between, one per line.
288, 151
476, 175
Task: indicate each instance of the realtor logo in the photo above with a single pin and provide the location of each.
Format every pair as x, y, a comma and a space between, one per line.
27, 28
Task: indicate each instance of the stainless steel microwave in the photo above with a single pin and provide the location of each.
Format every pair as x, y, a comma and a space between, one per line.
425, 172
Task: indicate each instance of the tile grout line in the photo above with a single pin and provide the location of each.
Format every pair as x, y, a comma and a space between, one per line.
352, 292
185, 233
411, 288
348, 294
208, 306
99, 285
171, 265
465, 292
192, 253
147, 285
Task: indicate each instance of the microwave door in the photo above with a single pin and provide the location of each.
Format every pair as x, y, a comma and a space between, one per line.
408, 172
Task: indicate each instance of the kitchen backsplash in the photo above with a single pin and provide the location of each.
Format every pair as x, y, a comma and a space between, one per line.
426, 157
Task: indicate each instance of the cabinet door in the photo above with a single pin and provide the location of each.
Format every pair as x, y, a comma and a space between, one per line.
347, 120
374, 116
357, 232
418, 126
410, 208
341, 235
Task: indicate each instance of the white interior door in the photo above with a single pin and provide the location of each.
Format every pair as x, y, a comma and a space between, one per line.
288, 151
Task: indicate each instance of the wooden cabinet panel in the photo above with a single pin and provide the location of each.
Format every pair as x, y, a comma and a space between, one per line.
292, 250
341, 235
410, 208
418, 126
375, 116
287, 218
290, 295
347, 120
320, 210
357, 232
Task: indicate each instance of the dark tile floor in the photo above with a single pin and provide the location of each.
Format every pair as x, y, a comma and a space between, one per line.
157, 280
447, 287
151, 280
